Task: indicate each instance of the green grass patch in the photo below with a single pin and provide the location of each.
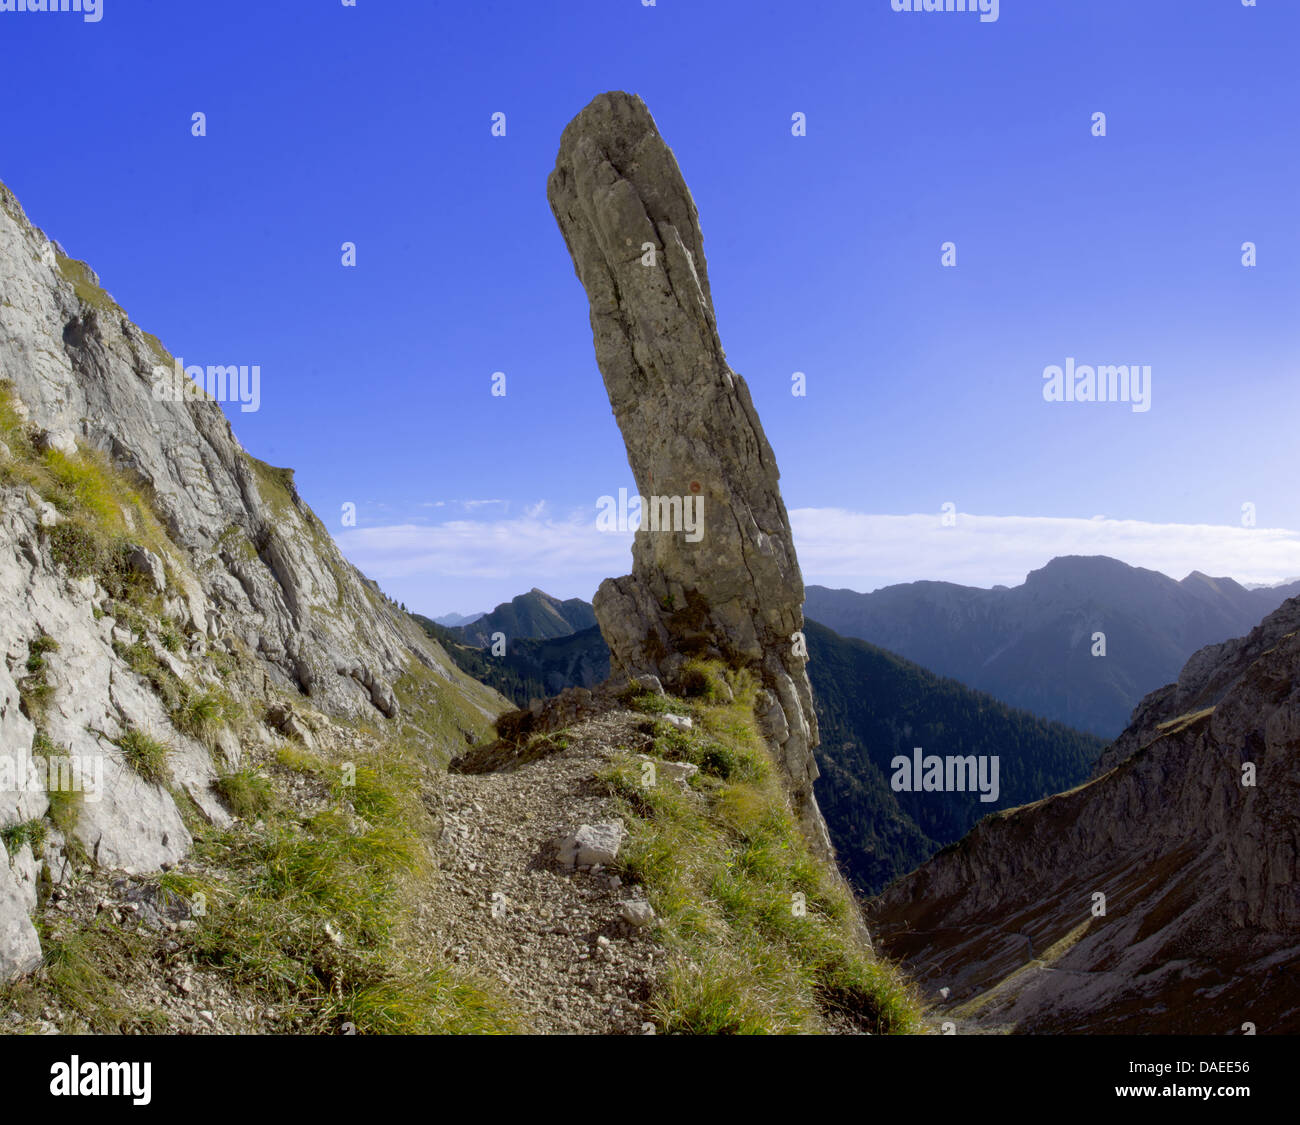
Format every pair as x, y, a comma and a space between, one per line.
169, 636
275, 484
34, 689
202, 713
317, 916
29, 832
81, 971
83, 281
142, 660
106, 512
762, 937
37, 649
65, 810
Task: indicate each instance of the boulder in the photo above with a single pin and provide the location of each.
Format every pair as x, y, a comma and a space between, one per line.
146, 563
591, 845
62, 441
637, 913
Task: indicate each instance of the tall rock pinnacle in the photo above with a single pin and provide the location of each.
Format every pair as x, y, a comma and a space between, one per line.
731, 587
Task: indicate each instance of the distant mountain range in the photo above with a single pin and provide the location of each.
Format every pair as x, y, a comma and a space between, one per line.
451, 620
1295, 581
534, 615
1032, 645
872, 706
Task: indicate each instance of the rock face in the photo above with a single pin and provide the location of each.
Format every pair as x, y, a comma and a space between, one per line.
729, 586
266, 571
240, 577
1198, 860
20, 948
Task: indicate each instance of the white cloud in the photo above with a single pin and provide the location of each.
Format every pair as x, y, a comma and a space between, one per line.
474, 561
863, 552
523, 549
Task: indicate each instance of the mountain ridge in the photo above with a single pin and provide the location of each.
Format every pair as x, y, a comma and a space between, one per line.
1032, 645
534, 615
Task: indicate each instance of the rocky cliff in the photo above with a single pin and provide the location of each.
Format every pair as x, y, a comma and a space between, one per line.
729, 587
1161, 896
162, 593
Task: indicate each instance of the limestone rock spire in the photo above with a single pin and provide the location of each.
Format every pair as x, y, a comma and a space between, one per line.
731, 586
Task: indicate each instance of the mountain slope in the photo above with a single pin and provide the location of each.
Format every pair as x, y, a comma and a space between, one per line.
534, 615
530, 669
1190, 833
451, 620
1033, 645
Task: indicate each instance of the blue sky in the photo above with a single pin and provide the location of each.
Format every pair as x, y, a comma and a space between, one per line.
372, 124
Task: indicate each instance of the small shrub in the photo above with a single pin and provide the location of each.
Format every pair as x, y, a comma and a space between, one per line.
699, 681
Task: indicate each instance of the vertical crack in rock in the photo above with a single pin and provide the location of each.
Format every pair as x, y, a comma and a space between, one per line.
691, 432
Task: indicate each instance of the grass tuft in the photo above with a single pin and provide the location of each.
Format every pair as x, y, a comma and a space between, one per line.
145, 755
202, 713
245, 792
